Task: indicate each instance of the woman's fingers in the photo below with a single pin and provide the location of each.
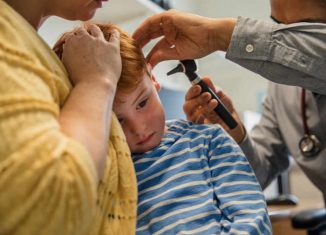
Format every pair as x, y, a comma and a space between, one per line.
95, 31
115, 37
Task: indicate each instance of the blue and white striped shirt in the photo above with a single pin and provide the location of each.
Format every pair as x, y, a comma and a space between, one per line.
197, 181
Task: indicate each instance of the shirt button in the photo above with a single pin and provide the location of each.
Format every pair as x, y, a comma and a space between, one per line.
249, 48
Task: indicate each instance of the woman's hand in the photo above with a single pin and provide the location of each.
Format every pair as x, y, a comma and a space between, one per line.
89, 58
199, 108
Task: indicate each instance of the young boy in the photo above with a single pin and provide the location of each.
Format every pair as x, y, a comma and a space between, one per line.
192, 179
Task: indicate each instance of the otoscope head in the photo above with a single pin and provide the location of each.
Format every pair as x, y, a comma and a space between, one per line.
179, 68
189, 67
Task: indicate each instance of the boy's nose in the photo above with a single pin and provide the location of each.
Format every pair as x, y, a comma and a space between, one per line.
138, 128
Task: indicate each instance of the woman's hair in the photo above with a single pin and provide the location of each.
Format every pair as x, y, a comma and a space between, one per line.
132, 57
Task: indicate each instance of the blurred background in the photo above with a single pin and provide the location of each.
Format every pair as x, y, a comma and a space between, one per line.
245, 88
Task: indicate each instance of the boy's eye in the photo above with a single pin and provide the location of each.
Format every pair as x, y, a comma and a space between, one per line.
120, 120
143, 103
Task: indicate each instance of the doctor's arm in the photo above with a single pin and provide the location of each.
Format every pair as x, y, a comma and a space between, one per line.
291, 54
264, 146
275, 51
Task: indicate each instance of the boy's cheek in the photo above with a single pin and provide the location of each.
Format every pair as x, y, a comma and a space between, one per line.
129, 141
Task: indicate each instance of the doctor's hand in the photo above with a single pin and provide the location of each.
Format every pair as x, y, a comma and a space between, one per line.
185, 36
199, 108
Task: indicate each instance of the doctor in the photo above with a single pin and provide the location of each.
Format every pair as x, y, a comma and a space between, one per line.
294, 119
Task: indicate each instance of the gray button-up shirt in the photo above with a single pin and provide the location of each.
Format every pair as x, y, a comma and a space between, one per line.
290, 54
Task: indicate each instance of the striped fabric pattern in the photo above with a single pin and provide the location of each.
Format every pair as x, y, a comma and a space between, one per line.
197, 181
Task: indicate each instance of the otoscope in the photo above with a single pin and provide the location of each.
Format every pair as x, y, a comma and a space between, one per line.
189, 67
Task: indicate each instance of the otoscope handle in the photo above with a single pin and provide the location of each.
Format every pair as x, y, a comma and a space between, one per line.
220, 108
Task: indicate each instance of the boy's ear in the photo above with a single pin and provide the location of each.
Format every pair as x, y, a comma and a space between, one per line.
156, 84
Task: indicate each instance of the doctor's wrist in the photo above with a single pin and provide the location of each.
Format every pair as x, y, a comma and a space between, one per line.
239, 134
222, 32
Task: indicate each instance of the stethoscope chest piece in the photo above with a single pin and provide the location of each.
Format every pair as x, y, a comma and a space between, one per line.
309, 145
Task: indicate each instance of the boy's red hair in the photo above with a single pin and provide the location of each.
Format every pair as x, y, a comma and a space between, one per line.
133, 61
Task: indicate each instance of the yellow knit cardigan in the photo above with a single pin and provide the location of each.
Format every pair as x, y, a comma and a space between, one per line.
47, 180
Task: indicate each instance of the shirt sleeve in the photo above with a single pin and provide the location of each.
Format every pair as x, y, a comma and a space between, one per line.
265, 148
47, 180
293, 54
239, 195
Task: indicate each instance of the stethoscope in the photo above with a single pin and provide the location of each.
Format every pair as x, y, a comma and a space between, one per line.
309, 144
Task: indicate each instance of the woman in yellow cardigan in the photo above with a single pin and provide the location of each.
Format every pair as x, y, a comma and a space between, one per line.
65, 167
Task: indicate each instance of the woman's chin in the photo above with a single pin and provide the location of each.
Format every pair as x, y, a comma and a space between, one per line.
82, 17
87, 16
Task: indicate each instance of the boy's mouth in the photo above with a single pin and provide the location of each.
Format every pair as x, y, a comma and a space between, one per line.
146, 139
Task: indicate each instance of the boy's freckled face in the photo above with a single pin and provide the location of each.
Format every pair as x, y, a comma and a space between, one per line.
141, 115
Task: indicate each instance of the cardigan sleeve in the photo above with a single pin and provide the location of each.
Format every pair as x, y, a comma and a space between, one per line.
47, 180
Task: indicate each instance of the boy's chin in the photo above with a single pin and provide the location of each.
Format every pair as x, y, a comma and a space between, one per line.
140, 151
154, 142
144, 149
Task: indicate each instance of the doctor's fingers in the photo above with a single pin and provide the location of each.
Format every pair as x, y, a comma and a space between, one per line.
163, 50
195, 116
191, 105
195, 97
196, 103
211, 85
150, 29
193, 92
195, 112
208, 111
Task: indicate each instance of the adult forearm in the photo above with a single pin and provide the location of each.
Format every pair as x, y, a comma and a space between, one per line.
267, 158
258, 164
86, 117
288, 54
